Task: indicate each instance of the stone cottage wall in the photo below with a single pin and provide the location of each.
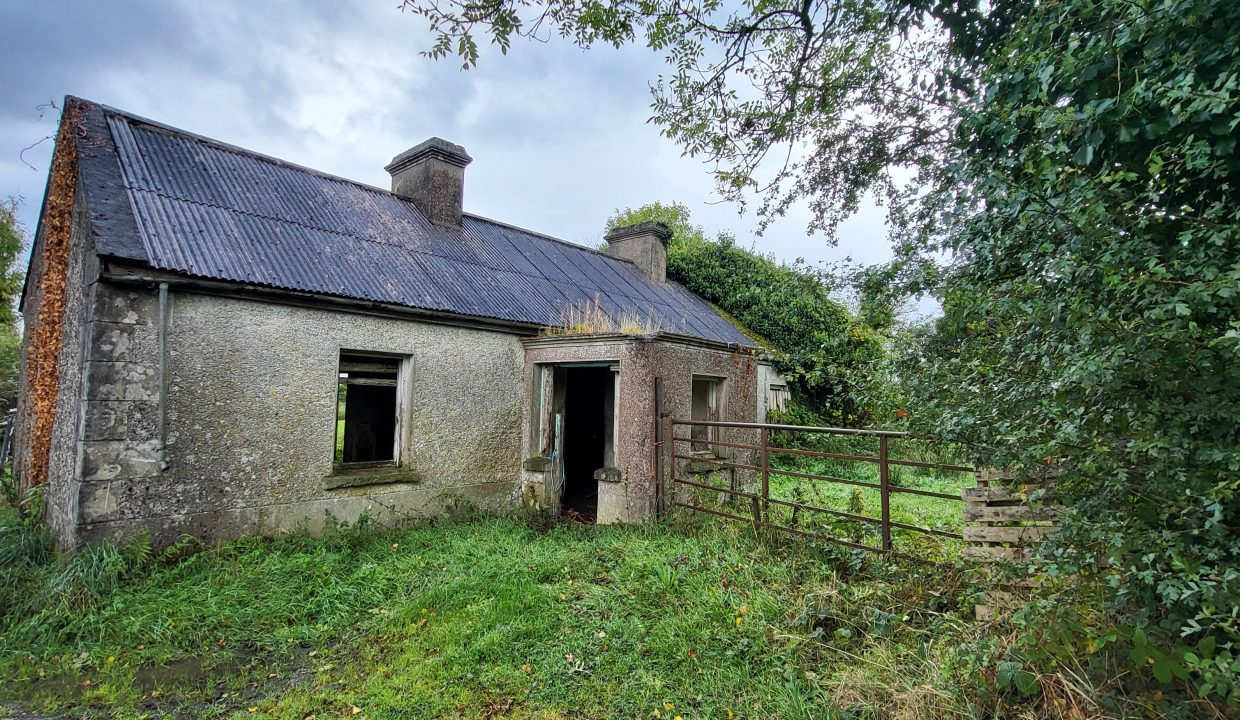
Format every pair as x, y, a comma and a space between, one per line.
739, 369
252, 417
641, 360
628, 499
81, 270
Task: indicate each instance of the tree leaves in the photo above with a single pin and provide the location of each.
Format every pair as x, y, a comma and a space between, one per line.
1095, 239
1073, 204
824, 352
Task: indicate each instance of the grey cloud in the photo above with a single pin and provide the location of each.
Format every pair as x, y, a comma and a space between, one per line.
559, 135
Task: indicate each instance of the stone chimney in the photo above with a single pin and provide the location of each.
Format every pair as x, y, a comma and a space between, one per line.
432, 176
644, 245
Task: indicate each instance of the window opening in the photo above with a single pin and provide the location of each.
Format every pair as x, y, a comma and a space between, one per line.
366, 409
707, 399
777, 398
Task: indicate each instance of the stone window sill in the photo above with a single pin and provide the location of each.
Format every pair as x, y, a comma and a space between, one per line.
370, 474
705, 461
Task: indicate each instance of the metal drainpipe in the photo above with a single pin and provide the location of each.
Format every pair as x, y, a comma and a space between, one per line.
162, 449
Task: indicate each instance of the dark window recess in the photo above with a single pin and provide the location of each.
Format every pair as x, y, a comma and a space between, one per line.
706, 402
366, 409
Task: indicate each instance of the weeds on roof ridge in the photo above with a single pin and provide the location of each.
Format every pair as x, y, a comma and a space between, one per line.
591, 318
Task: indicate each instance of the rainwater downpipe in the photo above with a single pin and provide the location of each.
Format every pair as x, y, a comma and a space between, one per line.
162, 449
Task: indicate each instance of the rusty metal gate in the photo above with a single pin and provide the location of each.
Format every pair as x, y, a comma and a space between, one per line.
747, 468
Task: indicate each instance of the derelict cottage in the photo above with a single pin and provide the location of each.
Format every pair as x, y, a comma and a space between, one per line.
221, 343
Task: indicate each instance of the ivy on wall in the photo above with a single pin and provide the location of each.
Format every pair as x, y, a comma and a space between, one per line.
817, 345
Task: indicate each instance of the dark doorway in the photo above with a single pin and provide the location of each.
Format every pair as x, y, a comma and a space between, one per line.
587, 428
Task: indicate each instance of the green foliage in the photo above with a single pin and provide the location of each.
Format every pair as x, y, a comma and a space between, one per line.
459, 619
1092, 324
1076, 211
821, 349
12, 242
11, 278
814, 100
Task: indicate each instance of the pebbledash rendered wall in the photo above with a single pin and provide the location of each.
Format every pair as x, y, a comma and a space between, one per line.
251, 418
672, 358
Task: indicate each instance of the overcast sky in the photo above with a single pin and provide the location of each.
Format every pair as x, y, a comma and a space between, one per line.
559, 135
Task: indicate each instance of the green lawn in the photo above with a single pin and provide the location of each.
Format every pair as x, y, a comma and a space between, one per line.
918, 510
482, 619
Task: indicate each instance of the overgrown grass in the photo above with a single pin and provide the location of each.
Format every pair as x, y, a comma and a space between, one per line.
836, 490
488, 618
911, 509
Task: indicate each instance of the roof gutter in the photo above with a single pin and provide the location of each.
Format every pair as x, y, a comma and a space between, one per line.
661, 336
153, 278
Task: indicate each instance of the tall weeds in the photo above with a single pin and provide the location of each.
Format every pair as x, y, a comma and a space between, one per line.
591, 318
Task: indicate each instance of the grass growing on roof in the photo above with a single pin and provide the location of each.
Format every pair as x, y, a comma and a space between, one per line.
486, 618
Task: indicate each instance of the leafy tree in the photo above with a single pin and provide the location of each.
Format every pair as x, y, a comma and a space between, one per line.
821, 100
1092, 319
11, 278
1073, 204
822, 350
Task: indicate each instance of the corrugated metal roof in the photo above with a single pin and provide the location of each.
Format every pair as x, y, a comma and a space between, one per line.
208, 209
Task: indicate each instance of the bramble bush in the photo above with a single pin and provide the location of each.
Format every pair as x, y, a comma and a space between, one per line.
1092, 329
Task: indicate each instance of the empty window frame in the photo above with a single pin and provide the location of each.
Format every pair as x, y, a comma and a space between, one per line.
777, 398
707, 406
367, 410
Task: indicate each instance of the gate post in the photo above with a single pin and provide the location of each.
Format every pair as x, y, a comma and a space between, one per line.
762, 509
669, 462
884, 492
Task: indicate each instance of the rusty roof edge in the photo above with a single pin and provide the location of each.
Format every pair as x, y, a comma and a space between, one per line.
679, 339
